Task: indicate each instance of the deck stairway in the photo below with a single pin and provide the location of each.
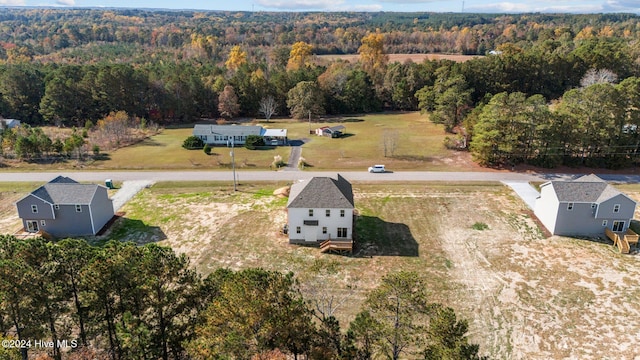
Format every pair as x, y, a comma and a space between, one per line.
336, 246
622, 240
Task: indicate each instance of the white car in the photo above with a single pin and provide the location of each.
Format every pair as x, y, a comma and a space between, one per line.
377, 169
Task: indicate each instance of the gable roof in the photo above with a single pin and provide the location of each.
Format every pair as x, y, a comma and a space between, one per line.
227, 130
65, 191
586, 189
322, 192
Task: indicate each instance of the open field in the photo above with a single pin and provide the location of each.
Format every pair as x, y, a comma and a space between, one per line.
525, 297
420, 147
401, 58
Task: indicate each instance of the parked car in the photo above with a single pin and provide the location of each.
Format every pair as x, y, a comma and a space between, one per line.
377, 169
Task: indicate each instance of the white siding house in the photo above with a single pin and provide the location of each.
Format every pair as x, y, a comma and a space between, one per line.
320, 208
583, 207
222, 135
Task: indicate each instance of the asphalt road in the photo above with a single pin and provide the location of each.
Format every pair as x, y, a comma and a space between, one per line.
248, 176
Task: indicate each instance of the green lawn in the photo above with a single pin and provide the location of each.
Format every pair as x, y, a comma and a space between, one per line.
419, 146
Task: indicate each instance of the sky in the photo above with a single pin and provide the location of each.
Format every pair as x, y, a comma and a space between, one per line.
492, 6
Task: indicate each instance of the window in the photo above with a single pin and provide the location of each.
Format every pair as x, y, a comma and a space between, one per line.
342, 232
570, 206
310, 212
297, 229
327, 213
324, 229
78, 208
203, 137
593, 206
618, 226
56, 206
341, 213
616, 208
34, 209
43, 223
604, 223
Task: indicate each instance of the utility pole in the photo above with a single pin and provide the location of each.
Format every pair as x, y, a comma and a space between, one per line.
309, 121
233, 165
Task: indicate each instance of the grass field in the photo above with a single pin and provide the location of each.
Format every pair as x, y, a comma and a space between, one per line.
524, 296
419, 147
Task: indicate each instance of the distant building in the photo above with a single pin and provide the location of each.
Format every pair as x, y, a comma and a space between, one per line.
583, 207
223, 135
63, 207
9, 124
331, 131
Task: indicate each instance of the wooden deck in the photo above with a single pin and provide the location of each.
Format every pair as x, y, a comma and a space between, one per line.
337, 246
623, 240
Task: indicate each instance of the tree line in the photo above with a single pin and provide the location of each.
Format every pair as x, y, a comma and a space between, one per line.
137, 35
122, 301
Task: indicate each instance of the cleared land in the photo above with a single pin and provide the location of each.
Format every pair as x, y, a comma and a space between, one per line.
419, 147
526, 297
401, 58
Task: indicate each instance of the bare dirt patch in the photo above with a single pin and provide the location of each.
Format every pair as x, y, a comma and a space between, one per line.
526, 297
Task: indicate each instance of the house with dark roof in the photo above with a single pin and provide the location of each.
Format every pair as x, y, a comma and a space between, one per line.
320, 208
583, 207
63, 207
223, 135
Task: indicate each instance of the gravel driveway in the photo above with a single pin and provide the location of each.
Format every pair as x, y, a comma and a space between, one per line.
128, 190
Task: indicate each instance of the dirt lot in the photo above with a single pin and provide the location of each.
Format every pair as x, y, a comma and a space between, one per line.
525, 297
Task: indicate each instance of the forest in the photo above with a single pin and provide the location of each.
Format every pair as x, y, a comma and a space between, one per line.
69, 67
123, 301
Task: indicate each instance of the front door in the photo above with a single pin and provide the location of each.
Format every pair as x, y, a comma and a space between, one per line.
32, 226
618, 226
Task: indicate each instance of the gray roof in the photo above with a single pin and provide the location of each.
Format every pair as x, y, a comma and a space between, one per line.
586, 189
227, 130
66, 194
336, 128
62, 179
65, 191
322, 192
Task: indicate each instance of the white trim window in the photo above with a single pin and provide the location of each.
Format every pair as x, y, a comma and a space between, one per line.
56, 206
327, 213
310, 212
341, 213
604, 223
78, 208
43, 223
616, 208
570, 206
34, 209
298, 230
324, 229
342, 232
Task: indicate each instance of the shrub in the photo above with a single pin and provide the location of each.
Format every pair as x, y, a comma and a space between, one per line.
207, 149
253, 141
96, 149
480, 226
278, 162
193, 142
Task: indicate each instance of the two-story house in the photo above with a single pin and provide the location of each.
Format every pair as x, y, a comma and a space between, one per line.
583, 207
320, 208
64, 207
